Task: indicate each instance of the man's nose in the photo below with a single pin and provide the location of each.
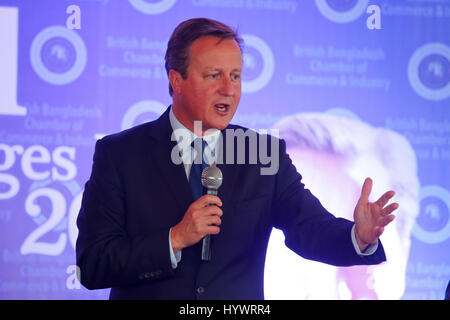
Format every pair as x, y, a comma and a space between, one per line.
227, 87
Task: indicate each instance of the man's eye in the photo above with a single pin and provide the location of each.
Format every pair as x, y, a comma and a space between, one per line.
213, 76
236, 76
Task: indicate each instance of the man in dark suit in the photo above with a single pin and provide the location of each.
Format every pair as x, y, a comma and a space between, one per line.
141, 224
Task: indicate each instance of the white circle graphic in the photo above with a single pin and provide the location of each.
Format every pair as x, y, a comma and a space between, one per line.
152, 8
414, 75
442, 234
139, 108
268, 64
342, 16
38, 65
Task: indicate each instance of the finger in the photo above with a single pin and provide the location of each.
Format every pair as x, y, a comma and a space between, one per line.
385, 198
210, 225
206, 212
202, 223
208, 199
212, 230
214, 221
389, 209
379, 231
388, 219
366, 190
201, 213
212, 211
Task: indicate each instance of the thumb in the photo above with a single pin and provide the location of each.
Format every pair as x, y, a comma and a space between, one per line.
366, 190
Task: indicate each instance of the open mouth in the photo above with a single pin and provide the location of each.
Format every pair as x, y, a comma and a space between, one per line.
222, 107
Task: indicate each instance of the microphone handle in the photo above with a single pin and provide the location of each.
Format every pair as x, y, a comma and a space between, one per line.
206, 244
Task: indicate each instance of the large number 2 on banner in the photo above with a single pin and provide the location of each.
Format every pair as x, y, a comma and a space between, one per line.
9, 20
31, 243
34, 242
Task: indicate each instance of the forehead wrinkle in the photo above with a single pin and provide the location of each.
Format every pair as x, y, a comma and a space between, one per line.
199, 56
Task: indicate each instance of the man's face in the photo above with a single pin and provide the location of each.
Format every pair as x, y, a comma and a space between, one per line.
212, 89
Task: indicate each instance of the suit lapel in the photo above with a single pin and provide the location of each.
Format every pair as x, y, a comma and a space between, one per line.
174, 175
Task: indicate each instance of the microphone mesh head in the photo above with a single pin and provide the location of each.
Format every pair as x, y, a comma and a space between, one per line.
212, 177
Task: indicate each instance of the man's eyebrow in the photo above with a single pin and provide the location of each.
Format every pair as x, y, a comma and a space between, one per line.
209, 69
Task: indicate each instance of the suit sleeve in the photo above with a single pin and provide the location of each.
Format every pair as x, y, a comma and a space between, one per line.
106, 255
310, 230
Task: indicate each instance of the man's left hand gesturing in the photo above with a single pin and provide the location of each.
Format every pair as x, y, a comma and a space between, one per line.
371, 217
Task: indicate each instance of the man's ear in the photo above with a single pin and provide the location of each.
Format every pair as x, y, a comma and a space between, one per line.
175, 80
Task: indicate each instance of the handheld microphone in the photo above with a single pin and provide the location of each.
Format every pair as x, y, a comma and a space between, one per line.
211, 180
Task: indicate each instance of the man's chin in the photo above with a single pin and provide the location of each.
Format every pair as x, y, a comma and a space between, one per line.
219, 124
216, 126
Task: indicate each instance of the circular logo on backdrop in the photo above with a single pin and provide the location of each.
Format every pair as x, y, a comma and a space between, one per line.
258, 62
145, 110
58, 55
342, 11
152, 7
433, 223
429, 71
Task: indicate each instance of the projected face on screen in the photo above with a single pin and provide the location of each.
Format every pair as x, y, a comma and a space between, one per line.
334, 155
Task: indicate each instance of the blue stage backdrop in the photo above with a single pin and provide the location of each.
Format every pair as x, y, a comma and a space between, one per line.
373, 75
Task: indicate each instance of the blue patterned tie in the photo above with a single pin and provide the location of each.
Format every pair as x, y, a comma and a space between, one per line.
197, 168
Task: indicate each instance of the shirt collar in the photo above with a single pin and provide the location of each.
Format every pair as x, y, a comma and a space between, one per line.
184, 136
